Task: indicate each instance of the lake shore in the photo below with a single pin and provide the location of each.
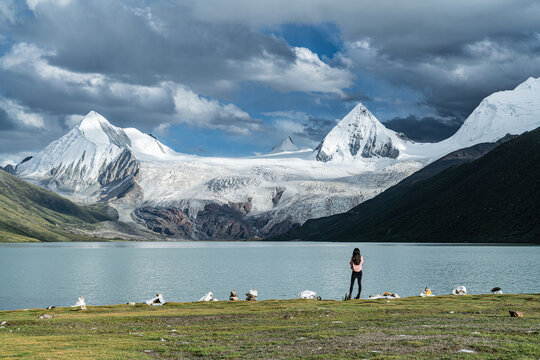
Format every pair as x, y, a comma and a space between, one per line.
437, 327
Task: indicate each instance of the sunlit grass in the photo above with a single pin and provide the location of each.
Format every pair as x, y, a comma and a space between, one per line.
403, 328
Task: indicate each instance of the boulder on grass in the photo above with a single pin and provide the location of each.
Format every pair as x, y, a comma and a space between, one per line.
252, 295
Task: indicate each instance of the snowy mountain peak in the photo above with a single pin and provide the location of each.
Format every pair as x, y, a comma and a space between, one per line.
358, 134
504, 112
75, 161
286, 144
92, 121
98, 130
529, 84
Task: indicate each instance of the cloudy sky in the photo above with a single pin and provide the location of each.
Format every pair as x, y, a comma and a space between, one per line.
234, 77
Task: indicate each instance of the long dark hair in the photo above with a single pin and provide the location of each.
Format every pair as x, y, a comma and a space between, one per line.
356, 256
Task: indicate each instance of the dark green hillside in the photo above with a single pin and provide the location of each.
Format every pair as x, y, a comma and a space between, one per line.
495, 198
30, 213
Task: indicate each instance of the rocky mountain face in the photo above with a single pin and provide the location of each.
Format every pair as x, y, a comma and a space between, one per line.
359, 134
8, 168
191, 197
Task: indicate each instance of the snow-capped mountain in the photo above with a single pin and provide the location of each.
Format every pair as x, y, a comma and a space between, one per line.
284, 145
193, 197
80, 160
359, 134
504, 112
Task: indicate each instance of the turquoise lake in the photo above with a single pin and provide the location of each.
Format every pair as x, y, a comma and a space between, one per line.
40, 275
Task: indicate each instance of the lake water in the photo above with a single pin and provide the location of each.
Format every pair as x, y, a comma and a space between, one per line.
39, 275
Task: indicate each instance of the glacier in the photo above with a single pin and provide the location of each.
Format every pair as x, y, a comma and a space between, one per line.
184, 196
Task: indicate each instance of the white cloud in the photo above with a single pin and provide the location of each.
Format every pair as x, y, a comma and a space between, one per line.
288, 122
191, 108
7, 12
73, 119
29, 59
194, 109
308, 73
154, 23
21, 114
33, 4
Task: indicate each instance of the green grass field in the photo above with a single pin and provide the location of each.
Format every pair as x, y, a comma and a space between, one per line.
437, 327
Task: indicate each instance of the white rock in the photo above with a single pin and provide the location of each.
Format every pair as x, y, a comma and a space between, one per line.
460, 290
307, 294
208, 297
157, 300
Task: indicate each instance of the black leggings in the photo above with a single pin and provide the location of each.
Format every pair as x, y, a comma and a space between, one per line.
354, 276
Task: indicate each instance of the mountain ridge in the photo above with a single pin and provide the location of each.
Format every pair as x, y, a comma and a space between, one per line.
198, 197
488, 199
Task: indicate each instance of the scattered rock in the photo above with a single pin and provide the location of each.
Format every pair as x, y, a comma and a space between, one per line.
252, 295
467, 351
208, 297
131, 303
233, 296
452, 312
307, 294
45, 316
460, 290
515, 313
158, 300
385, 295
3, 323
148, 351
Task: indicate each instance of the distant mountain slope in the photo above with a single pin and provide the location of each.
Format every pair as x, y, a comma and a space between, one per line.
495, 198
29, 213
286, 144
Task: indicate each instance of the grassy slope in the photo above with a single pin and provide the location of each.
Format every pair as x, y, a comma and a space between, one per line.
31, 213
493, 199
377, 329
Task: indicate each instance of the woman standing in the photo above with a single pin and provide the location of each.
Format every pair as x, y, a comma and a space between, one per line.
356, 266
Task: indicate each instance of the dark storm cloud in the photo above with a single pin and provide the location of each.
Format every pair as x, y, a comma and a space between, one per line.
425, 129
356, 97
5, 122
143, 45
